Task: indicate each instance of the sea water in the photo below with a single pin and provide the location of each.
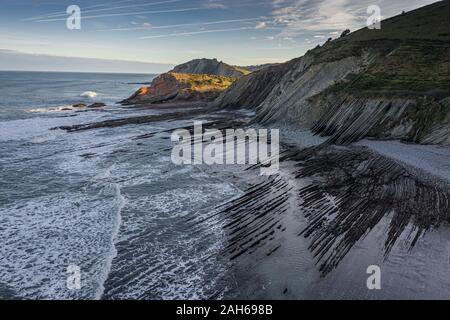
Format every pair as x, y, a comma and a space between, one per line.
100, 200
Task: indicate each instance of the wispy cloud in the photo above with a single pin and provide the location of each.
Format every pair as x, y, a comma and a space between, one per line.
62, 16
194, 33
261, 25
146, 25
184, 24
300, 16
313, 15
216, 5
105, 6
129, 14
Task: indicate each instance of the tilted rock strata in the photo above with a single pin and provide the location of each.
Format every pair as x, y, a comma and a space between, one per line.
391, 83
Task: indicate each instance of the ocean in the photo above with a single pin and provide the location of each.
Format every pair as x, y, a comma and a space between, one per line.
113, 207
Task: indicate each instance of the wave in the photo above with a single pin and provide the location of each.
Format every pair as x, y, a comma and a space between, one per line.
39, 126
89, 94
120, 204
52, 109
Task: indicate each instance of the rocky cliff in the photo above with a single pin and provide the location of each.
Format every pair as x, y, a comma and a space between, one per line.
259, 66
250, 91
211, 67
180, 87
388, 83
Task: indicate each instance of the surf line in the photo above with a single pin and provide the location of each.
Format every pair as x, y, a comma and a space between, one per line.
120, 204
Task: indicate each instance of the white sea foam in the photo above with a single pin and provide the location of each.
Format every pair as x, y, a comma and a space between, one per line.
14, 130
165, 258
38, 127
42, 236
80, 222
120, 204
65, 108
89, 94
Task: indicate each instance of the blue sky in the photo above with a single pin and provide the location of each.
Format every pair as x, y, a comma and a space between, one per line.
241, 32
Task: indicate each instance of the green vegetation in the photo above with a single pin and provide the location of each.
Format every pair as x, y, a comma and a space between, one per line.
242, 70
203, 82
415, 68
345, 33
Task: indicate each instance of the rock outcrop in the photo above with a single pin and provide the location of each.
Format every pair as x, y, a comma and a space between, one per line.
388, 83
259, 66
210, 67
92, 105
97, 105
79, 105
180, 87
250, 91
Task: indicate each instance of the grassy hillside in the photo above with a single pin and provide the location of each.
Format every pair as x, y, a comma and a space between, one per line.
203, 82
412, 52
431, 22
419, 67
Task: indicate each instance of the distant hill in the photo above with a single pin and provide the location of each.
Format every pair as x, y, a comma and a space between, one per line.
211, 67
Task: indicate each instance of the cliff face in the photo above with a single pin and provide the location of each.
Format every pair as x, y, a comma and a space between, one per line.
250, 91
180, 87
388, 83
259, 67
210, 67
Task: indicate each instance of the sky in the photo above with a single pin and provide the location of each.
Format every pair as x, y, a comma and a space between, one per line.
153, 35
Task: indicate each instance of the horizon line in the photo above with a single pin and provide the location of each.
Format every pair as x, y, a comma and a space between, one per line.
88, 72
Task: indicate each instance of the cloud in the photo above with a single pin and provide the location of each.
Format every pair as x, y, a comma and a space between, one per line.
62, 16
182, 25
215, 5
289, 39
301, 16
85, 10
127, 14
146, 25
310, 15
261, 25
193, 33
